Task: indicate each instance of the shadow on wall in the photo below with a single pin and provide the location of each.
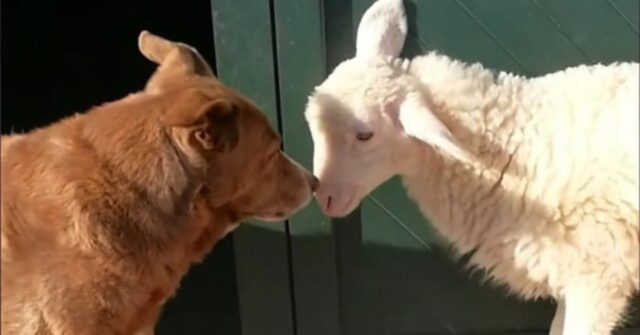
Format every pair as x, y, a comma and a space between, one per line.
393, 290
206, 298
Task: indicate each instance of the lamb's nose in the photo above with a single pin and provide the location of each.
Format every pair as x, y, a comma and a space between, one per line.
314, 183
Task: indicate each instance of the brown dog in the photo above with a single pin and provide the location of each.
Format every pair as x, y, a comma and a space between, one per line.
103, 213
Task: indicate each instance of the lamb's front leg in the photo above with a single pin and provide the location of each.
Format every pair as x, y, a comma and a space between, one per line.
592, 309
558, 319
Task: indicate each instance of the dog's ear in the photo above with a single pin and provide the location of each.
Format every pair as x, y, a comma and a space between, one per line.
179, 56
212, 125
173, 58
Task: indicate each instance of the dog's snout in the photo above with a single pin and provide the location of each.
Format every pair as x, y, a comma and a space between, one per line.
314, 183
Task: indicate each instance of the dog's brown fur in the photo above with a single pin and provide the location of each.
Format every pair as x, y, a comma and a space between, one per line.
103, 213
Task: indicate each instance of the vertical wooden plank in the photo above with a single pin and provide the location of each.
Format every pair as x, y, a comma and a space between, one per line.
342, 18
206, 299
302, 65
244, 57
244, 54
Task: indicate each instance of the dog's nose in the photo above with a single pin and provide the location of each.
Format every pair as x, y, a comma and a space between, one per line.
314, 183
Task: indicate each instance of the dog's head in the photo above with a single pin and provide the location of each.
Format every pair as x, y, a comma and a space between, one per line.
223, 139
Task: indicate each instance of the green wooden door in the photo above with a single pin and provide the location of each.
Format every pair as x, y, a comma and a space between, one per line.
383, 270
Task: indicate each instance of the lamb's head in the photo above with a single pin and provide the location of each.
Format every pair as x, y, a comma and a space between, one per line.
370, 118
357, 144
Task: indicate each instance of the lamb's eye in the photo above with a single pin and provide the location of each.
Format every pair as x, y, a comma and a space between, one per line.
364, 135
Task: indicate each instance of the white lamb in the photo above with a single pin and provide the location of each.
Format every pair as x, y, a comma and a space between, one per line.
537, 176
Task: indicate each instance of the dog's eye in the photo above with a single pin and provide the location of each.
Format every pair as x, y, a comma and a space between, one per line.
364, 135
204, 138
202, 135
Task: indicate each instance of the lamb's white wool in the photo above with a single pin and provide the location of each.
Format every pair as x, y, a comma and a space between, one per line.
537, 176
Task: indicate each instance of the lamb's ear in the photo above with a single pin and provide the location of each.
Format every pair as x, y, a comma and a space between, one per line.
173, 58
418, 121
382, 29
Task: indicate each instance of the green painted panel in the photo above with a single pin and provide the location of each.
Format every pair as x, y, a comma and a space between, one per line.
630, 11
244, 54
301, 65
445, 26
596, 27
205, 298
340, 42
245, 61
262, 272
390, 201
402, 290
522, 26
